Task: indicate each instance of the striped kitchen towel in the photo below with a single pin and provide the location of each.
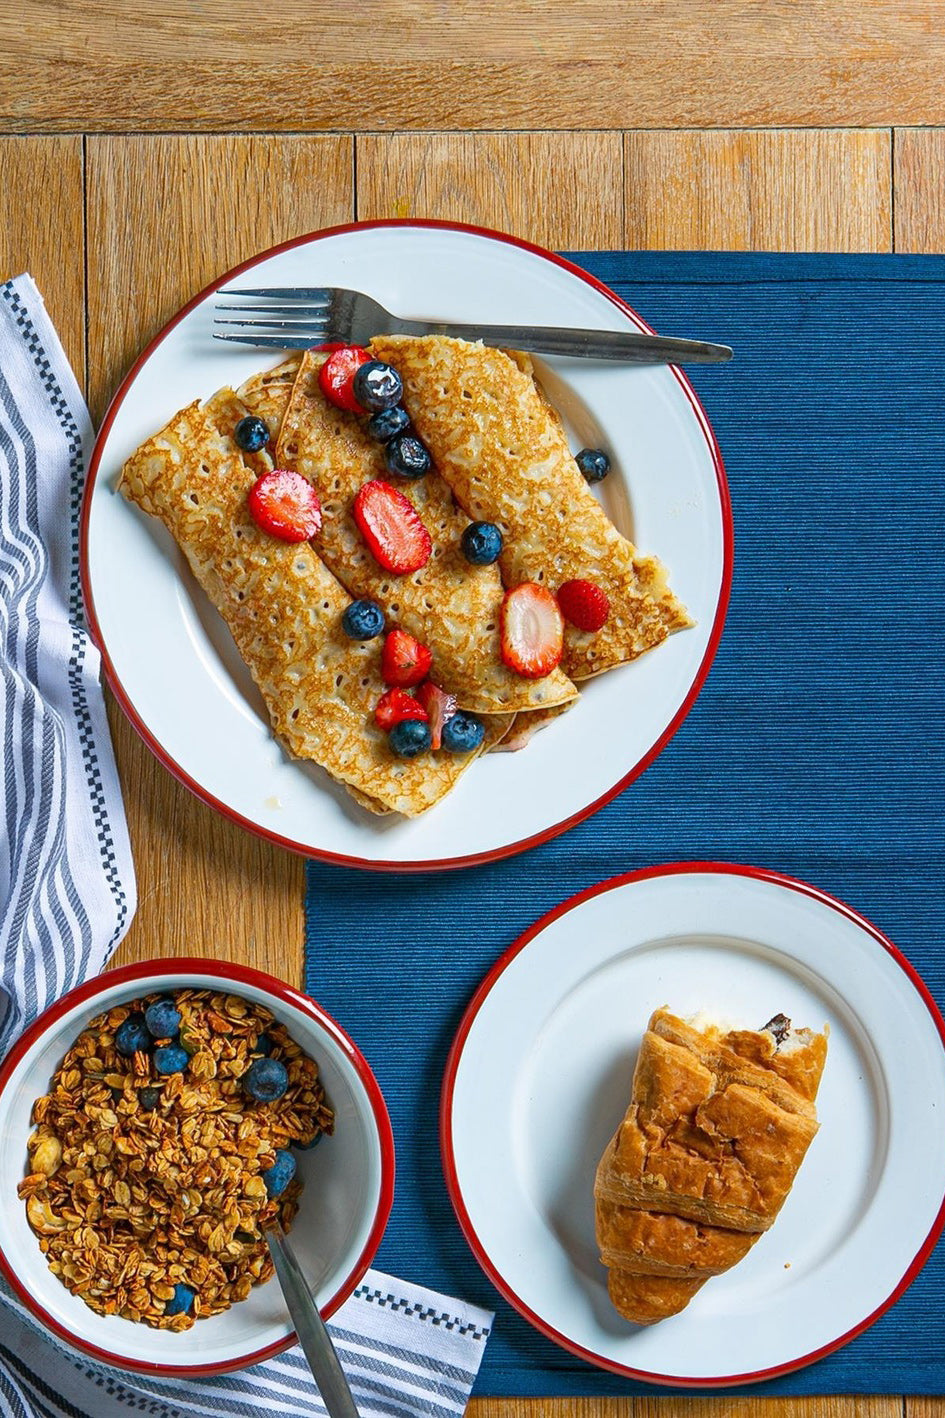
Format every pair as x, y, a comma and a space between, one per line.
67, 886
67, 895
406, 1351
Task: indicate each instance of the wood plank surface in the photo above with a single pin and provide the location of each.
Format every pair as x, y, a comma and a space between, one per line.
167, 211
165, 215
563, 190
919, 169
828, 190
47, 237
385, 64
662, 1406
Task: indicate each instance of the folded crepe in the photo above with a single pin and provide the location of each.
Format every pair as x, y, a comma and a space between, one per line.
284, 609
717, 1127
502, 448
452, 607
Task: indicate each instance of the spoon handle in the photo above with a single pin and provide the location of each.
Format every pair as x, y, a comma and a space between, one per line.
310, 1328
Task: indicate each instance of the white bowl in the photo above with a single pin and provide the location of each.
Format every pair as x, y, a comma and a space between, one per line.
349, 1178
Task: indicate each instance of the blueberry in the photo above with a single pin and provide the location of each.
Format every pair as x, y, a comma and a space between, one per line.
388, 423
406, 456
279, 1175
266, 1080
410, 737
307, 1146
462, 732
482, 543
171, 1058
181, 1302
162, 1019
251, 434
263, 1045
593, 464
363, 620
377, 386
131, 1036
149, 1099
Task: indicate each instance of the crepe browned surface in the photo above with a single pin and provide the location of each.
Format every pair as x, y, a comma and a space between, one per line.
527, 724
502, 449
717, 1127
284, 609
452, 607
267, 394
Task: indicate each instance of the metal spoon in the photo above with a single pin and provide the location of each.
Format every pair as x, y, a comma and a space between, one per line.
310, 1327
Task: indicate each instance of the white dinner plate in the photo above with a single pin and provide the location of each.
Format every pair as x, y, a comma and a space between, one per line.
176, 671
539, 1077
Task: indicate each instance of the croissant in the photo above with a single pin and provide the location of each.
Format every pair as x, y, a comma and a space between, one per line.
717, 1127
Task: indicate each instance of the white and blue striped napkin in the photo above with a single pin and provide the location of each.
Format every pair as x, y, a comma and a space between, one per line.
67, 895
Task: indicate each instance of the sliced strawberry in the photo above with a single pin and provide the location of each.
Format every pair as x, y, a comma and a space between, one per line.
404, 660
396, 705
440, 706
584, 604
532, 630
285, 505
336, 376
391, 526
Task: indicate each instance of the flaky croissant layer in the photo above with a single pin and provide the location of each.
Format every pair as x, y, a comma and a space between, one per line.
717, 1127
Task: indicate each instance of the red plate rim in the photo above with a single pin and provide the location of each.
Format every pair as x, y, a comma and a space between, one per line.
320, 854
446, 1104
136, 974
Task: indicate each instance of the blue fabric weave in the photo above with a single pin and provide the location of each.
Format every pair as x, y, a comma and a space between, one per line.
815, 747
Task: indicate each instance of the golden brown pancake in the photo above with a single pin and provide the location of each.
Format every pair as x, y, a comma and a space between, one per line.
501, 447
449, 605
284, 608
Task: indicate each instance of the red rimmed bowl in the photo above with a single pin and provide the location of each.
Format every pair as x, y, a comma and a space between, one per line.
349, 1179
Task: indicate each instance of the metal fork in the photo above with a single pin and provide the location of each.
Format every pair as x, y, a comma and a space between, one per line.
302, 318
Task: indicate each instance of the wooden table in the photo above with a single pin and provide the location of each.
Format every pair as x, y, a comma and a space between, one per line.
143, 152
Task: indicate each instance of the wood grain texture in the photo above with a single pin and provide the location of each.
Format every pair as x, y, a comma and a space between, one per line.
432, 64
919, 171
759, 191
657, 1406
563, 190
43, 229
169, 214
165, 215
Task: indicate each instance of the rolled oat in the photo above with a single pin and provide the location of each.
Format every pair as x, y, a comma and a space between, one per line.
148, 1190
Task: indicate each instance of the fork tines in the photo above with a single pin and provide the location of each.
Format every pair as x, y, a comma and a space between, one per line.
303, 316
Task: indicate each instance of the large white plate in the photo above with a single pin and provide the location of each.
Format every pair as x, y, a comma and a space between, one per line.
176, 671
539, 1077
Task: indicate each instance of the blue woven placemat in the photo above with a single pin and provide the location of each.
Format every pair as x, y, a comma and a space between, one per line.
815, 748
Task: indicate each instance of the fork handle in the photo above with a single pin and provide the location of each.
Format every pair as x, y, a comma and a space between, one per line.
628, 346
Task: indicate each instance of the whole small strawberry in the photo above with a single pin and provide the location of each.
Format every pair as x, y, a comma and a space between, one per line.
395, 706
404, 660
336, 376
584, 604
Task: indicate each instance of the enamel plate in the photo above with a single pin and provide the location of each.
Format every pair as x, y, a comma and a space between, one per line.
176, 672
539, 1078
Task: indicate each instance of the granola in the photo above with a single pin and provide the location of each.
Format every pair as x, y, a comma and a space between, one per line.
156, 1161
